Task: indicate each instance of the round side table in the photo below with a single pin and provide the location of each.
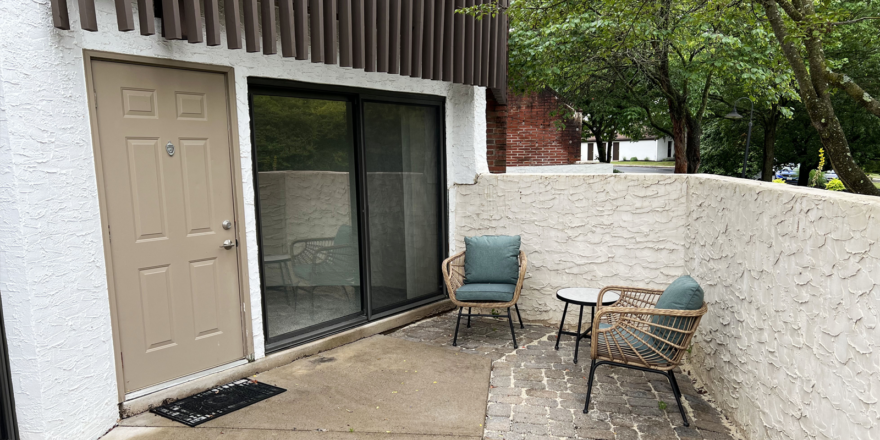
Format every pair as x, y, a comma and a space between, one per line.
581, 296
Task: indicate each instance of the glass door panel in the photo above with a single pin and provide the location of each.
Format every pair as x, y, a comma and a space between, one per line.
402, 155
305, 157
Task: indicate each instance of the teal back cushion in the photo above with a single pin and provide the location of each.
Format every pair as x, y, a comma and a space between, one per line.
683, 294
343, 235
491, 259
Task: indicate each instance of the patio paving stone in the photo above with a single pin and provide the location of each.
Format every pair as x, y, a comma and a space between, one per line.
537, 392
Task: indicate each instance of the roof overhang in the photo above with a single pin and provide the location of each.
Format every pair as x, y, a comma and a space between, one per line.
417, 38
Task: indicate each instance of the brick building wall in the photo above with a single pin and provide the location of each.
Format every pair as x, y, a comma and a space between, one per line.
525, 132
496, 134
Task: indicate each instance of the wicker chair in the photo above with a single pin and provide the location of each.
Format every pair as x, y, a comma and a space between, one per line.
453, 273
631, 333
324, 262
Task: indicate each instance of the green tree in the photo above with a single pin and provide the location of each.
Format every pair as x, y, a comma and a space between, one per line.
805, 30
665, 56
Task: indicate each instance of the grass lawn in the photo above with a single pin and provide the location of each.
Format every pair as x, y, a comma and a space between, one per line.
643, 163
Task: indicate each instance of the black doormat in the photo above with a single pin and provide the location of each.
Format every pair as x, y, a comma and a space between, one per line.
207, 405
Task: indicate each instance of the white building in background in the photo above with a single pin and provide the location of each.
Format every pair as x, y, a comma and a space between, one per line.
651, 148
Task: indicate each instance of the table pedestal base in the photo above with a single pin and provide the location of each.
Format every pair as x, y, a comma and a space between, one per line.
578, 334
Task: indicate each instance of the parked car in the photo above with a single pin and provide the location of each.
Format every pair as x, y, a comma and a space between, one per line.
789, 174
831, 174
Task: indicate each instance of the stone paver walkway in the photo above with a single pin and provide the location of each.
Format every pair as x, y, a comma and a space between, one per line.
537, 392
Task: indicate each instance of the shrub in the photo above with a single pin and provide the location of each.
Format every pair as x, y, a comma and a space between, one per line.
633, 159
782, 181
817, 179
647, 159
835, 185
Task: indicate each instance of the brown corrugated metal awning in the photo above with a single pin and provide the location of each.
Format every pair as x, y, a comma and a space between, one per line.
418, 38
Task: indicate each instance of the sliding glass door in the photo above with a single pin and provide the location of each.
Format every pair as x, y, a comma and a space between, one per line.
305, 169
403, 183
350, 201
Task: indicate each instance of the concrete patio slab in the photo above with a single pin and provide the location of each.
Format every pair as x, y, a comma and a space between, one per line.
186, 433
379, 385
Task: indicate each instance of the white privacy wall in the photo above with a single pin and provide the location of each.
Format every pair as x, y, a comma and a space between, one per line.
790, 347
52, 271
588, 230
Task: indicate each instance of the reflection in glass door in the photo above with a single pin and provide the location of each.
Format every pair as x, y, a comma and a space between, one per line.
403, 187
305, 166
351, 202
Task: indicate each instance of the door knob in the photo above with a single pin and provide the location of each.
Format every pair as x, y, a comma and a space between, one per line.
228, 244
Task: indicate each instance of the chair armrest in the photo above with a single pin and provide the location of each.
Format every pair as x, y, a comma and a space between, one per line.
310, 246
453, 273
631, 296
523, 266
663, 341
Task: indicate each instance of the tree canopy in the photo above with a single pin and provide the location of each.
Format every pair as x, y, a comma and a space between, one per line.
674, 66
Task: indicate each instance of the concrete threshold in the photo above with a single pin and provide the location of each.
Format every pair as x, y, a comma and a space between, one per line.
142, 404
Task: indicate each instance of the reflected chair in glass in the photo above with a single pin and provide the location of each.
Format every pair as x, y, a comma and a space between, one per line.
454, 274
325, 262
632, 333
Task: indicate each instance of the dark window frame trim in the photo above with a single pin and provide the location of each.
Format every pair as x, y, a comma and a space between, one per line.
358, 97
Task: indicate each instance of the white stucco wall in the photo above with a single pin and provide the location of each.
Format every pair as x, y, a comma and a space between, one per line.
580, 230
791, 345
52, 271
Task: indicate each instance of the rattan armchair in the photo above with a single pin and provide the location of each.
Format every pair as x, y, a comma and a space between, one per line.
453, 274
631, 333
323, 262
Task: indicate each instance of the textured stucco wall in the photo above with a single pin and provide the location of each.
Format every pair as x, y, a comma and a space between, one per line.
790, 346
52, 270
580, 230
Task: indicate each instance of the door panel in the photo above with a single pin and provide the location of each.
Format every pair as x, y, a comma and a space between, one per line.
197, 187
178, 303
148, 196
155, 292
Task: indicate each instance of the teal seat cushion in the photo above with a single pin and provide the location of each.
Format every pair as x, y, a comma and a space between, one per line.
310, 277
683, 294
491, 259
640, 341
485, 292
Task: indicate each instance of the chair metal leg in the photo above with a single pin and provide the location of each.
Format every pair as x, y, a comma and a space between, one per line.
577, 342
590, 386
518, 316
510, 320
469, 318
286, 280
457, 323
677, 393
561, 323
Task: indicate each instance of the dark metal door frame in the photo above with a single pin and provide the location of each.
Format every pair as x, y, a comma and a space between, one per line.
262, 86
8, 423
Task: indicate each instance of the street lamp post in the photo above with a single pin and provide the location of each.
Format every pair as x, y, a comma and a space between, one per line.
736, 116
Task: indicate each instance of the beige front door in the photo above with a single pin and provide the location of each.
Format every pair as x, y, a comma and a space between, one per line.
168, 191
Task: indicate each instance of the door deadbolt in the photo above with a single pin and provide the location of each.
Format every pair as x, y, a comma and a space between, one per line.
227, 224
170, 148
